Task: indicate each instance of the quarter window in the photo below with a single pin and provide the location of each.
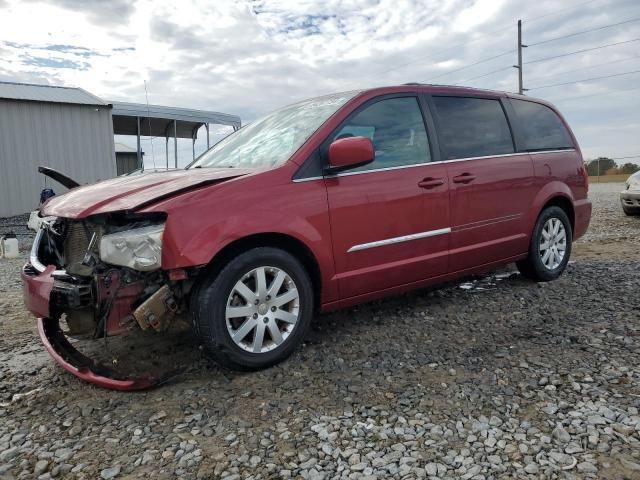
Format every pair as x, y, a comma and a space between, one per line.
396, 128
541, 127
472, 127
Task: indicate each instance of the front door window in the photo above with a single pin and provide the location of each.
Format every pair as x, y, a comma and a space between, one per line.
396, 128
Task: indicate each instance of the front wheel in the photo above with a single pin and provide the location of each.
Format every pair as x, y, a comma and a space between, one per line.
257, 309
550, 246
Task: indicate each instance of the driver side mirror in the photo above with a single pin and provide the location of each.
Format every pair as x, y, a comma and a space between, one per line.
351, 152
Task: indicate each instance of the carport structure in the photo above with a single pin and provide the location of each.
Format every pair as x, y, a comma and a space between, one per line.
140, 119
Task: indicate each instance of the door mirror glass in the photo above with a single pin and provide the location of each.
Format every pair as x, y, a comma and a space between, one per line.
350, 152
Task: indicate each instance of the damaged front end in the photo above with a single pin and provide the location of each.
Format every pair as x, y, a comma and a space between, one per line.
100, 277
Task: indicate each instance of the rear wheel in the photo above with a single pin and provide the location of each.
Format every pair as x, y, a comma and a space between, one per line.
256, 311
630, 211
550, 246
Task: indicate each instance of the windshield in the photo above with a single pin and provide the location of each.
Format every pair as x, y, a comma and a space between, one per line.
271, 140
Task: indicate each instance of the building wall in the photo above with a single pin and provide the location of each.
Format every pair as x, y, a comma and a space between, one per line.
126, 162
77, 140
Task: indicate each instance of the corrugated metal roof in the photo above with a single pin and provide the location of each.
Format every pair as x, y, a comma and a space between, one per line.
157, 120
47, 93
143, 110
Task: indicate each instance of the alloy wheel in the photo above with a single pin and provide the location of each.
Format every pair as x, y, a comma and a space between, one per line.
553, 243
262, 309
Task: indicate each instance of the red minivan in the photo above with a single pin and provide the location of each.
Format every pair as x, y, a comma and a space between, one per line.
320, 205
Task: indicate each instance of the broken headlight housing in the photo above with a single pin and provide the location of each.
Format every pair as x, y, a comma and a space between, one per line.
137, 248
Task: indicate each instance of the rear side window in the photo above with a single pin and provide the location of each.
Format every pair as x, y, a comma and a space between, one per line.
541, 127
472, 127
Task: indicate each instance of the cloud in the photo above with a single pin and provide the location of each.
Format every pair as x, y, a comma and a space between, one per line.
53, 62
251, 56
476, 14
101, 12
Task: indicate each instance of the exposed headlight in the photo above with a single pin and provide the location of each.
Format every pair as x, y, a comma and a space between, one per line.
139, 248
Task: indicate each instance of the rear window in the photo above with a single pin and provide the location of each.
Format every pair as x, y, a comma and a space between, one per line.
472, 127
541, 127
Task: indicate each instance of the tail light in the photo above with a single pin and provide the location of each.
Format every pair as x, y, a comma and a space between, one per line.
585, 176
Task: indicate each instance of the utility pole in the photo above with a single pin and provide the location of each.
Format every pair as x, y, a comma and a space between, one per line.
521, 89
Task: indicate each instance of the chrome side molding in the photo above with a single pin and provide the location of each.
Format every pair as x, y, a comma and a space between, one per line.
404, 238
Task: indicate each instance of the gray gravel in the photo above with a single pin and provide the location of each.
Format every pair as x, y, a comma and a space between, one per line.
492, 377
612, 235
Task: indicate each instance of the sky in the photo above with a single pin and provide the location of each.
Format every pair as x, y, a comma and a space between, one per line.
248, 57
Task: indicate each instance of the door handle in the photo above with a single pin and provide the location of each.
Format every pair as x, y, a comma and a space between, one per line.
430, 182
464, 178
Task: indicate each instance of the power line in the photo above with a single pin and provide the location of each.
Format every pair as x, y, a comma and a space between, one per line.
486, 74
624, 158
576, 97
538, 43
627, 59
549, 76
469, 66
436, 58
583, 32
481, 35
537, 19
581, 51
585, 80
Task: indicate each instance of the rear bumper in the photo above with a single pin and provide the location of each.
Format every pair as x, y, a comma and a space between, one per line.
582, 210
630, 198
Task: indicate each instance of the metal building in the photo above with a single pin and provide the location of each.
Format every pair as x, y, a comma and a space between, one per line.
160, 121
63, 128
72, 131
127, 159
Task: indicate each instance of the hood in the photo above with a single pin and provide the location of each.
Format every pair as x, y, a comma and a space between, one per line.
129, 193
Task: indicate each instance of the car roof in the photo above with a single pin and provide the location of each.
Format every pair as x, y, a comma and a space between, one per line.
448, 90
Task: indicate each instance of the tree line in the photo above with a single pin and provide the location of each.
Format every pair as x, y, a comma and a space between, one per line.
607, 166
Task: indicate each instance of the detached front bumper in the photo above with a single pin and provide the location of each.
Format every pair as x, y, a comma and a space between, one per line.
38, 283
74, 362
37, 289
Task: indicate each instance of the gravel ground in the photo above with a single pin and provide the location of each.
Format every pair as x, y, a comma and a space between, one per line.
493, 377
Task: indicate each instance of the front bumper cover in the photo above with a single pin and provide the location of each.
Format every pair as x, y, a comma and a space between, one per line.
38, 282
74, 362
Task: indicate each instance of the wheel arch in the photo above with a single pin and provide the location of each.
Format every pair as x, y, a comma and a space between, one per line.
565, 204
281, 241
555, 193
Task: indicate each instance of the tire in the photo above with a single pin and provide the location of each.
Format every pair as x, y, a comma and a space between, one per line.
281, 327
538, 266
630, 211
